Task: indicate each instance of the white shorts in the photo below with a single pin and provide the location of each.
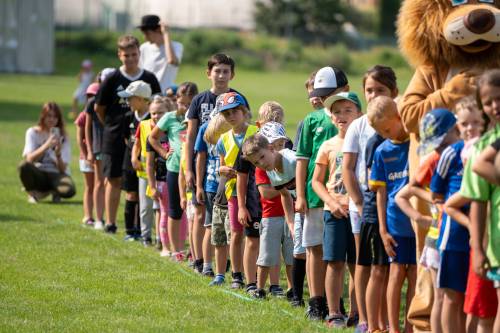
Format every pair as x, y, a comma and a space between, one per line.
430, 258
355, 222
313, 227
86, 167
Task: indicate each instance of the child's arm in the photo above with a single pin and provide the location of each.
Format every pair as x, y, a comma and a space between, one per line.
201, 164
484, 165
403, 201
182, 189
154, 140
478, 211
80, 135
389, 242
317, 184
100, 110
150, 172
169, 50
452, 208
300, 183
136, 151
417, 190
88, 138
350, 181
244, 217
192, 130
287, 202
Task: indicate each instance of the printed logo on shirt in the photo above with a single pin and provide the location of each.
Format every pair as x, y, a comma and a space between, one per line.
397, 175
206, 109
119, 88
319, 129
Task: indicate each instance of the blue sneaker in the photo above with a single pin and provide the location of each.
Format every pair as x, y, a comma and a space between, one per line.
217, 281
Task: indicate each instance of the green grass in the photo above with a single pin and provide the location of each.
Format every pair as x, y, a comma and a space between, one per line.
59, 276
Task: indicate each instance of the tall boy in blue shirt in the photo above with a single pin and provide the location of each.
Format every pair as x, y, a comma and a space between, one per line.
388, 176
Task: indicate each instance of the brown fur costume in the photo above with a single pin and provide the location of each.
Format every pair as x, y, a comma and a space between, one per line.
449, 46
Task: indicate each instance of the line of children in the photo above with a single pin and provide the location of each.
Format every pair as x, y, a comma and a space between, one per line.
336, 196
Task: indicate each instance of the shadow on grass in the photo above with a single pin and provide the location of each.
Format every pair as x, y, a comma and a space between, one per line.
16, 218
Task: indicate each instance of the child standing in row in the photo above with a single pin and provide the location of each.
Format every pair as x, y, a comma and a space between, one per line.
338, 239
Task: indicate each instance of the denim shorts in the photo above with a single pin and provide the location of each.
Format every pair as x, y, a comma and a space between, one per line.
338, 239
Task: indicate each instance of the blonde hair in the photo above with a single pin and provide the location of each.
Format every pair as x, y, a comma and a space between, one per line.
253, 144
381, 107
468, 103
215, 128
164, 102
271, 111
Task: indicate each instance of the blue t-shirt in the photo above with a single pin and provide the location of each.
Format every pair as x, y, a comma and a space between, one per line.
446, 181
370, 213
211, 181
390, 169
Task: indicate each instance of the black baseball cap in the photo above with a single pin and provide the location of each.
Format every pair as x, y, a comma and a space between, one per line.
327, 80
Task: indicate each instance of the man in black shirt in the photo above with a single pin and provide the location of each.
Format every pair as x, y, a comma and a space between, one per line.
111, 110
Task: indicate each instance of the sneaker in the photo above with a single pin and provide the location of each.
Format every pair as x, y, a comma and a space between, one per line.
289, 295
179, 256
198, 266
352, 321
361, 328
251, 287
88, 222
237, 283
129, 238
297, 302
276, 291
217, 281
335, 321
98, 225
110, 228
165, 253
208, 272
56, 198
258, 293
32, 199
147, 242
315, 310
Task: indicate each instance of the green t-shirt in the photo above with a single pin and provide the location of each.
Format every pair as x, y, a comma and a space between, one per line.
173, 126
477, 188
317, 129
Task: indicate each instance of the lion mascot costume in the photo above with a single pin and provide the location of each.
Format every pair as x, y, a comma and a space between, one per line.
450, 43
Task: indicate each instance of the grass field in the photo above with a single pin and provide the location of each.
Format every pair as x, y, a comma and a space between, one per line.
59, 276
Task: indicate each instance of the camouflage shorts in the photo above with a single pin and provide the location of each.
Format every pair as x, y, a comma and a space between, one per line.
221, 230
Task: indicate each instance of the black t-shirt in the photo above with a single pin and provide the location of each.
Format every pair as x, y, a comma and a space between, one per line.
203, 104
130, 124
160, 163
116, 107
253, 197
369, 213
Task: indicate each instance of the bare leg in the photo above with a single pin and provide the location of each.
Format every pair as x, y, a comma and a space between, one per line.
361, 278
174, 234
250, 258
333, 285
353, 306
437, 306
318, 270
208, 248
98, 191
112, 199
397, 273
411, 275
288, 270
235, 250
274, 274
88, 191
262, 273
453, 318
220, 259
198, 231
374, 295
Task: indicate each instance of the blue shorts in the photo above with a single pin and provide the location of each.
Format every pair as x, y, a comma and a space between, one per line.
406, 251
338, 240
453, 270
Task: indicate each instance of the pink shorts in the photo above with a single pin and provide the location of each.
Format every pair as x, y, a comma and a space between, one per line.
480, 295
232, 206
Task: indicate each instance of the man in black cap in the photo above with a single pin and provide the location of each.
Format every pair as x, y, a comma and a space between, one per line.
159, 54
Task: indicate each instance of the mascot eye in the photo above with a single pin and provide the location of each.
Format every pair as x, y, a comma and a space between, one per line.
458, 2
487, 1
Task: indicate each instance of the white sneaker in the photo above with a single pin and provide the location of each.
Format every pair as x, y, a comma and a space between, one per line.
98, 225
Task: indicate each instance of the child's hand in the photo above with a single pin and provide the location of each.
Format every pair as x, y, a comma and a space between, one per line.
136, 164
183, 203
389, 244
336, 209
169, 152
90, 157
200, 195
155, 194
244, 216
301, 205
480, 262
227, 172
424, 221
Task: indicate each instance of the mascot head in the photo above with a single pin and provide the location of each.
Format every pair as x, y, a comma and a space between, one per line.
455, 33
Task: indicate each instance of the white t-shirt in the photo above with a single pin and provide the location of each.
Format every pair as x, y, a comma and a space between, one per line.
154, 59
289, 165
356, 138
48, 162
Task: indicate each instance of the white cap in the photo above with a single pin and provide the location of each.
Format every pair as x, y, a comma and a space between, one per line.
327, 80
137, 88
273, 131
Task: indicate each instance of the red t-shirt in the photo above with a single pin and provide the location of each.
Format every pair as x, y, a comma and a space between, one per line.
426, 169
270, 207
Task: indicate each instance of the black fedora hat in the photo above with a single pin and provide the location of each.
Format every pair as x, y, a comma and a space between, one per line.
149, 22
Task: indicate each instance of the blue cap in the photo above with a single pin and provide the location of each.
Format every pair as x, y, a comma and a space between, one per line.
230, 100
433, 128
